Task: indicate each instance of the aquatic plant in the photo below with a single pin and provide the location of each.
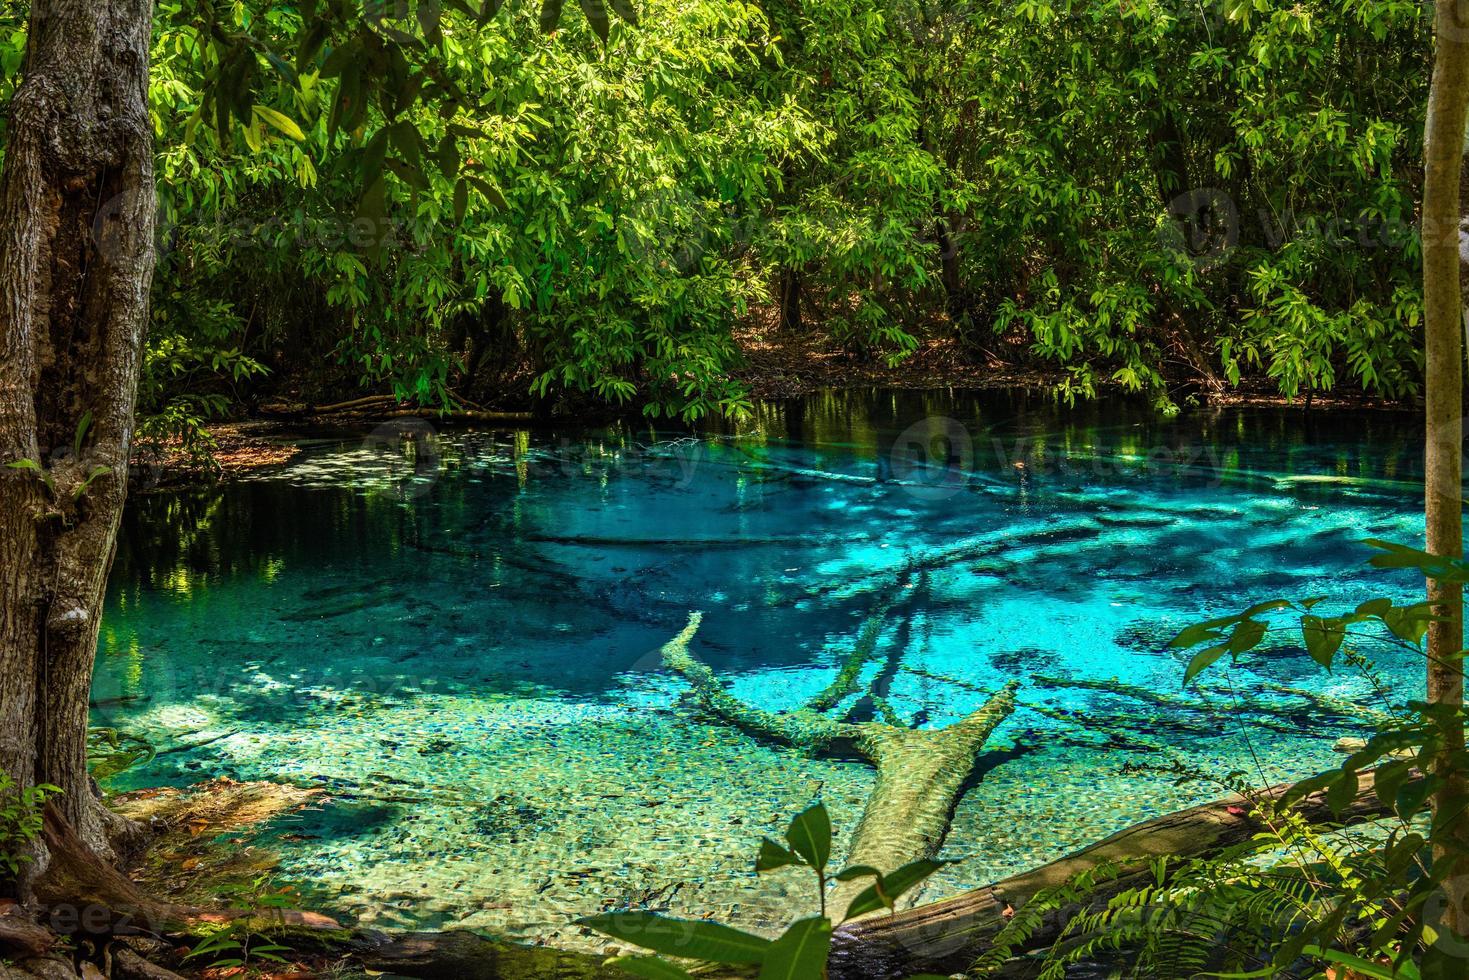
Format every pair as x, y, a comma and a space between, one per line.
111, 752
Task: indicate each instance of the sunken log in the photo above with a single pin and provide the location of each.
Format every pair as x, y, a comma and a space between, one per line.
947, 937
920, 774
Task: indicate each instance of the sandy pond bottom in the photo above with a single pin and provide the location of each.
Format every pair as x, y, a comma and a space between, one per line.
519, 816
455, 637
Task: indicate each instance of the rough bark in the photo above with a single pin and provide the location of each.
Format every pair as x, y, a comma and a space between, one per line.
20, 935
128, 965
920, 774
82, 894
1448, 103
948, 936
76, 259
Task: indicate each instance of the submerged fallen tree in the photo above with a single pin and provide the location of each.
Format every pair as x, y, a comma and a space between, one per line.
948, 936
920, 774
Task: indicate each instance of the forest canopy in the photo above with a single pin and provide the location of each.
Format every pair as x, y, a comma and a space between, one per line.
1137, 193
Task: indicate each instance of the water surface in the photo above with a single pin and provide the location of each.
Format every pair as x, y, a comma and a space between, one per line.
455, 635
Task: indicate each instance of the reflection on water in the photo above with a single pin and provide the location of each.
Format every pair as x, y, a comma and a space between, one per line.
456, 635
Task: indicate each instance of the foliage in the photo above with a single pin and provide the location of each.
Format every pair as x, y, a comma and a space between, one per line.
1295, 900
240, 940
1252, 210
445, 200
800, 952
20, 822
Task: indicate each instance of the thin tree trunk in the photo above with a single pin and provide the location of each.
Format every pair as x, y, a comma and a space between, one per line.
790, 299
77, 212
1448, 104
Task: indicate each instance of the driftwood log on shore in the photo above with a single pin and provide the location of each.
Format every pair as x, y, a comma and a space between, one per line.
948, 936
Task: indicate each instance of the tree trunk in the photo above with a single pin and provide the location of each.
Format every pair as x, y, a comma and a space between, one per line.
1448, 103
790, 299
77, 213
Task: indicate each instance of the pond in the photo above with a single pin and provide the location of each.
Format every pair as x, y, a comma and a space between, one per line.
455, 635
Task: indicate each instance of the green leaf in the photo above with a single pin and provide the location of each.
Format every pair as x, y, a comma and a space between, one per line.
857, 871
1323, 638
1375, 607
1406, 970
1246, 636
81, 434
405, 138
25, 464
1340, 794
1203, 660
279, 121
1312, 785
96, 473
373, 208
648, 966
448, 158
810, 836
408, 174
800, 953
1389, 779
690, 938
884, 892
1191, 636
1432, 566
489, 190
461, 200
429, 14
1409, 623
773, 856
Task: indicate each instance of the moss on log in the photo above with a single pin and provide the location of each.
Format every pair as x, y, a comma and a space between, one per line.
803, 729
920, 777
845, 683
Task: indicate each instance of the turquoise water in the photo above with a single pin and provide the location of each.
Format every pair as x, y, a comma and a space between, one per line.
455, 636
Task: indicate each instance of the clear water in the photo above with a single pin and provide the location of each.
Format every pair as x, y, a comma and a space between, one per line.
460, 646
